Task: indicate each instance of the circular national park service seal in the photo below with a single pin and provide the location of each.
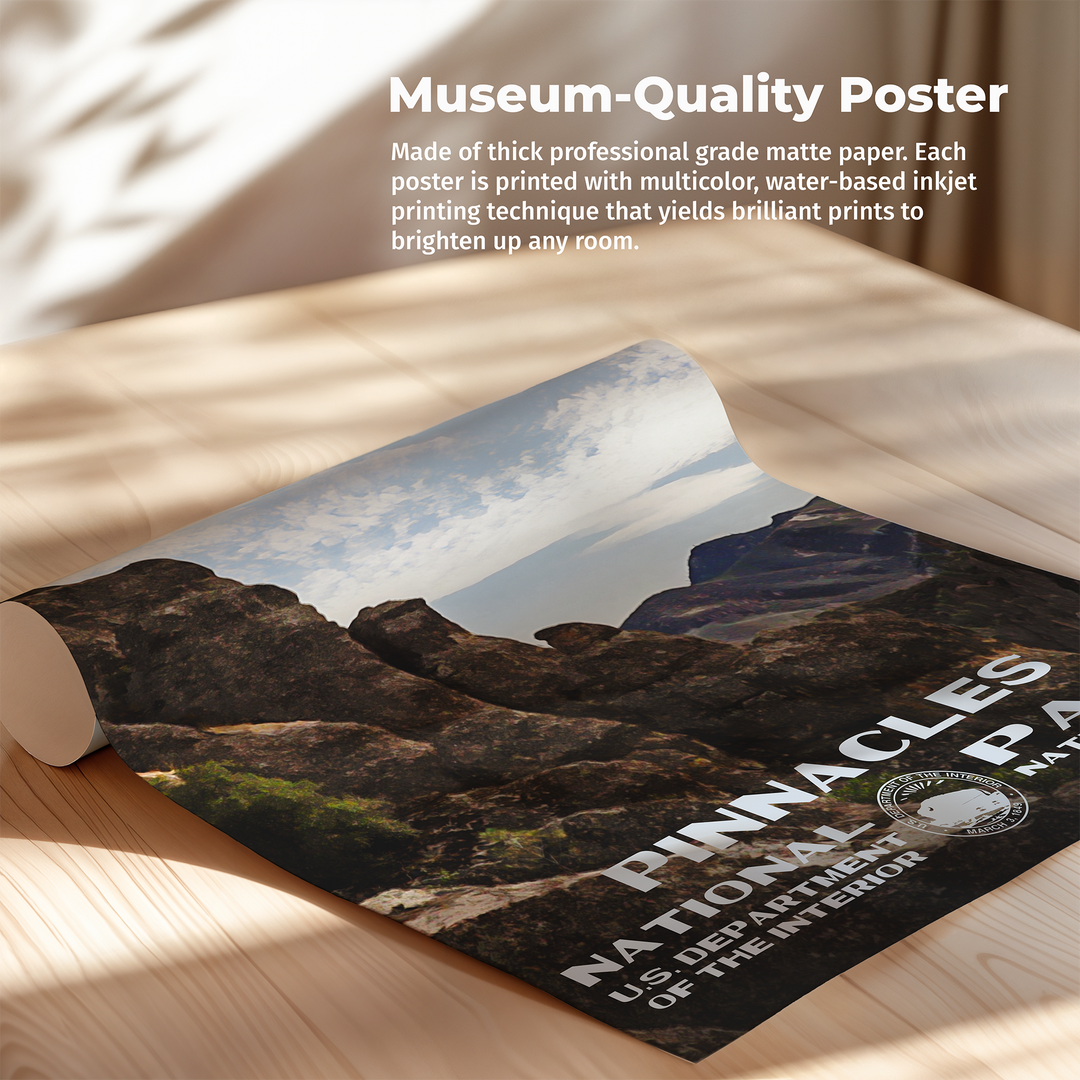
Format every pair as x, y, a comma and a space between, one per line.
952, 802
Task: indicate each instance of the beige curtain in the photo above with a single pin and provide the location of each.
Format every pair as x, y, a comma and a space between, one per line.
1018, 236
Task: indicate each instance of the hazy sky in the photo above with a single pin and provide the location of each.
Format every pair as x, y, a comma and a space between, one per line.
574, 500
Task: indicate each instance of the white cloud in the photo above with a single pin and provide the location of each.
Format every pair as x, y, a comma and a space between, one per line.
596, 451
668, 505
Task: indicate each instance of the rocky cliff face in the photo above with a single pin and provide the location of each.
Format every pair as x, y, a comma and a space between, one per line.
483, 783
826, 556
778, 697
170, 642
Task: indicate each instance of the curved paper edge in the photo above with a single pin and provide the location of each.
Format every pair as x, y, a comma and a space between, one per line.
44, 702
817, 455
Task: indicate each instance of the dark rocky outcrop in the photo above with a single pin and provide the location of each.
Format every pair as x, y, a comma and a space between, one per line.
844, 650
726, 695
823, 556
667, 682
413, 637
170, 642
575, 637
805, 562
496, 745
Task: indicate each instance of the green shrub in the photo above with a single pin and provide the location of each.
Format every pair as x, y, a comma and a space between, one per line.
863, 789
350, 846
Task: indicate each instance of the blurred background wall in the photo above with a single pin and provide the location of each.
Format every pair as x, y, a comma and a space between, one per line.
159, 153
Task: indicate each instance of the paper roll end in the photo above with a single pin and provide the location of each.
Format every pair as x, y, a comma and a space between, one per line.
44, 702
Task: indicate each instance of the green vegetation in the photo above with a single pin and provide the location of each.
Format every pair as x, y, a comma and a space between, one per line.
512, 854
350, 846
1040, 782
863, 789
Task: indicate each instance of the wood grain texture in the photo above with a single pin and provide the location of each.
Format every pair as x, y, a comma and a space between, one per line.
141, 942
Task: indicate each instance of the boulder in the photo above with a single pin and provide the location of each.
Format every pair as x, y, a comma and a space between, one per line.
588, 666
414, 637
496, 746
842, 650
641, 777
574, 637
170, 642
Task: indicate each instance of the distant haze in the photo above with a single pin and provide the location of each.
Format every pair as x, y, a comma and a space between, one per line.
572, 501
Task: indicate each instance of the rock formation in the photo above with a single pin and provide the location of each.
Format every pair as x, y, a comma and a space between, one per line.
825, 556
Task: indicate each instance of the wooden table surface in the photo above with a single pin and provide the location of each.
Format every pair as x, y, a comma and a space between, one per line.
141, 942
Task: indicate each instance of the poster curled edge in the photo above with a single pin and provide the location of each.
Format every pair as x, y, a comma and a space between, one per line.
43, 697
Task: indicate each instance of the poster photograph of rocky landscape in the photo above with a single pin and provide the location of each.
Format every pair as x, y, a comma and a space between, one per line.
570, 685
